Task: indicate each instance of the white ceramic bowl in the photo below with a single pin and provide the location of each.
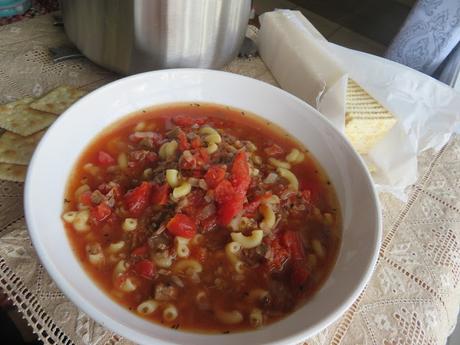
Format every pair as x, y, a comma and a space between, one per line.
64, 141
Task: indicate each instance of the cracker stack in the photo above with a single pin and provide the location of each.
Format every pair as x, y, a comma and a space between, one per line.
366, 120
24, 122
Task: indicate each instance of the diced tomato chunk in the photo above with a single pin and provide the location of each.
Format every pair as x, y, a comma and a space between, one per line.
196, 142
181, 225
196, 198
293, 242
202, 156
199, 158
214, 176
229, 209
111, 190
312, 187
195, 203
183, 142
223, 191
145, 268
140, 251
186, 120
208, 224
151, 137
151, 157
273, 150
279, 255
105, 159
160, 194
230, 196
187, 163
100, 212
252, 206
137, 199
240, 172
85, 198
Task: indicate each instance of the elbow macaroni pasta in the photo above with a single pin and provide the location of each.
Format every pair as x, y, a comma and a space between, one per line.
168, 150
116, 247
230, 250
318, 248
129, 224
239, 266
148, 173
80, 222
207, 130
182, 248
256, 317
251, 241
182, 190
163, 261
212, 147
81, 206
258, 294
80, 190
120, 268
140, 126
269, 216
328, 218
295, 156
188, 266
128, 285
212, 138
69, 217
229, 317
273, 200
312, 260
92, 169
96, 259
288, 175
147, 307
172, 177
170, 313
279, 164
251, 146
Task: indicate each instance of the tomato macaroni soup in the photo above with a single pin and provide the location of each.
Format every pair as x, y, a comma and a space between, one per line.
202, 218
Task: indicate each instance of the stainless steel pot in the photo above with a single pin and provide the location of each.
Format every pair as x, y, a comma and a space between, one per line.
131, 36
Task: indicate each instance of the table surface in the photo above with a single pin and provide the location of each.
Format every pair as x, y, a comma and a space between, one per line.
412, 298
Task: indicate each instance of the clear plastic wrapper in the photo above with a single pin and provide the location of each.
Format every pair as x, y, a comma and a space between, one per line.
305, 64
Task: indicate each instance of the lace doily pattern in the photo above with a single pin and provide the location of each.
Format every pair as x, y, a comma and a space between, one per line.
412, 298
27, 67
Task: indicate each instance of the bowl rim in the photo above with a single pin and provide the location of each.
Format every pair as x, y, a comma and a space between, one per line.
116, 326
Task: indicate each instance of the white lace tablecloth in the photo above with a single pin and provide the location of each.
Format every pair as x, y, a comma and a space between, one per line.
412, 298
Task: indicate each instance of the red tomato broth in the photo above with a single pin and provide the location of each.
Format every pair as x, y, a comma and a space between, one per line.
225, 288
